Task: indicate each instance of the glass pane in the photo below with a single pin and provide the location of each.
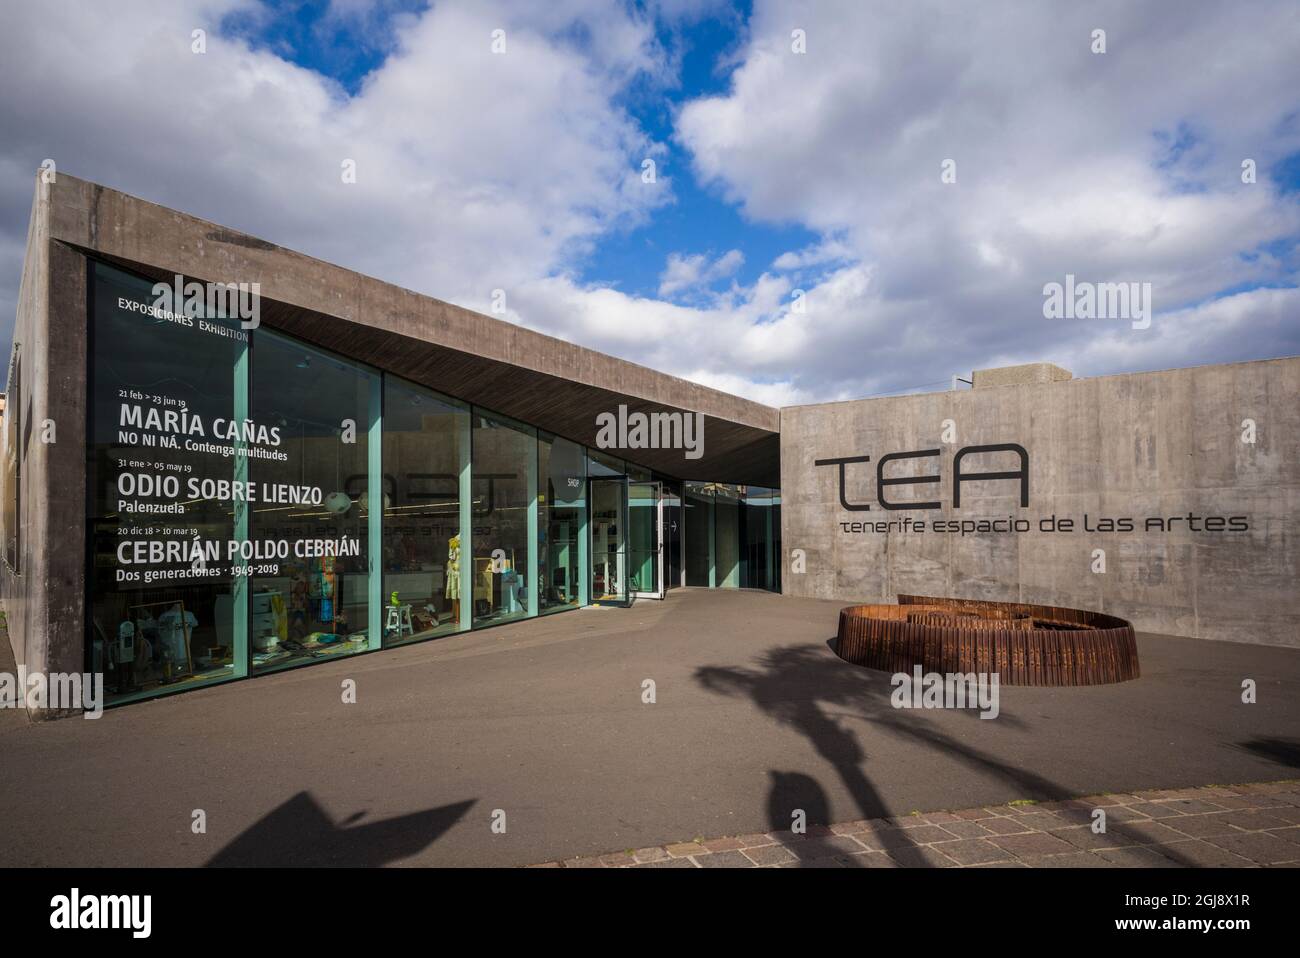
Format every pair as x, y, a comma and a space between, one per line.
643, 537
162, 475
727, 536
600, 464
756, 531
310, 541
778, 557
562, 518
504, 460
608, 552
672, 532
698, 502
425, 444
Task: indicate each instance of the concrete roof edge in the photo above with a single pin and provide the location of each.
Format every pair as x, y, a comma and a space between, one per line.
1057, 383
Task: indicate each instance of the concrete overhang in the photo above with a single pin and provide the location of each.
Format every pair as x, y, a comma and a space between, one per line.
524, 374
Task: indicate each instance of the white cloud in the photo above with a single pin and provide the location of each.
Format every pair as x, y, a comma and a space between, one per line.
475, 170
1193, 335
1063, 165
690, 272
827, 251
479, 171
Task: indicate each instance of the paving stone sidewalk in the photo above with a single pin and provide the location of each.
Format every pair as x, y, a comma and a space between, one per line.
1246, 826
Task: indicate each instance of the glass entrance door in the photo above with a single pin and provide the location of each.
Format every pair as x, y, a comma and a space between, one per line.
608, 541
672, 536
645, 540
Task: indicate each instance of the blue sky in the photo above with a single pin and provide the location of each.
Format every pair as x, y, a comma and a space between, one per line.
347, 49
305, 32
699, 218
799, 244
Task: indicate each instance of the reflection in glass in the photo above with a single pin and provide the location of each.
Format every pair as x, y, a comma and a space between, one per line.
504, 476
778, 557
603, 464
159, 626
698, 506
562, 521
643, 537
726, 536
757, 557
608, 549
312, 600
426, 443
672, 534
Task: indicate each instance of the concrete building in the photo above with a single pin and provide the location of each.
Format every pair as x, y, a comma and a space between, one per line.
195, 493
1167, 498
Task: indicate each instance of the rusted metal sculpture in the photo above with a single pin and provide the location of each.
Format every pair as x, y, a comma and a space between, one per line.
1025, 644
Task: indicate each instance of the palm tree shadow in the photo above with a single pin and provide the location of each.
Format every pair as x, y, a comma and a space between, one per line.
790, 686
802, 686
301, 833
788, 791
795, 685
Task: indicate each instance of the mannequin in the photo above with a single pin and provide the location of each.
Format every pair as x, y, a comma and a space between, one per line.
125, 655
452, 587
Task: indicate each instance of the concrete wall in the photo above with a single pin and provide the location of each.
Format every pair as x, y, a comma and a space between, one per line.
44, 602
1143, 445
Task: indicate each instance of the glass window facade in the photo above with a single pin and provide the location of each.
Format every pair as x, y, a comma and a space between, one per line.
726, 537
602, 464
504, 558
643, 536
257, 503
609, 539
732, 536
673, 534
167, 489
425, 455
561, 523
760, 537
697, 506
310, 595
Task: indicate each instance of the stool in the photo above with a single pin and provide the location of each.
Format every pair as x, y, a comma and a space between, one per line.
399, 620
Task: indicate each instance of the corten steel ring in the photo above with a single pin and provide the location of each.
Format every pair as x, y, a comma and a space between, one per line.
1024, 644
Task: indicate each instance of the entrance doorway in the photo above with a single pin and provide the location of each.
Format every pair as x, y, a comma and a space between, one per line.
628, 555
645, 524
608, 541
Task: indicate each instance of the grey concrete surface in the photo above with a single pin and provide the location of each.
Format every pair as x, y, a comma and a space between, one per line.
44, 599
544, 720
1019, 375
1141, 446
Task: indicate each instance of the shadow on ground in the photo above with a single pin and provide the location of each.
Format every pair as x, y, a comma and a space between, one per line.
1283, 751
300, 833
798, 686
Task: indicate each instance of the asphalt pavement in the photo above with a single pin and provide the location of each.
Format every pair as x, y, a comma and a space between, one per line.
542, 726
